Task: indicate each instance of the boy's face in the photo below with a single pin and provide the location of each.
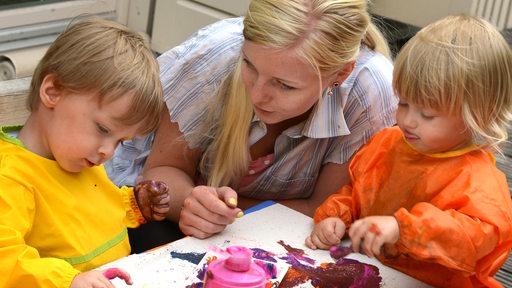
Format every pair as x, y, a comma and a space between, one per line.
432, 131
84, 134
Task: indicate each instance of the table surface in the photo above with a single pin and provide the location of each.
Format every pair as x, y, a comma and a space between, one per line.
269, 227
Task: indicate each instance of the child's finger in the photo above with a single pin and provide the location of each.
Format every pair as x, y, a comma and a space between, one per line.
112, 273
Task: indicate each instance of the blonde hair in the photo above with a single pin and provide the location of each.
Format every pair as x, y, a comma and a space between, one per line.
105, 57
325, 33
464, 65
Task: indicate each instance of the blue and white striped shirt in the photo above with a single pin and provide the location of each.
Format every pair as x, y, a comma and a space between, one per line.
191, 72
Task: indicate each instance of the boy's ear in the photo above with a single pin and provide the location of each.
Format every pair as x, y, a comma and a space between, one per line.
50, 95
345, 71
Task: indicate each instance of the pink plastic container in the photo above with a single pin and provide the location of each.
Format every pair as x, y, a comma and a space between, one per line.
236, 271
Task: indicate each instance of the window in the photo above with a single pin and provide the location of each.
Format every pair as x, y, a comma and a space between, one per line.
30, 23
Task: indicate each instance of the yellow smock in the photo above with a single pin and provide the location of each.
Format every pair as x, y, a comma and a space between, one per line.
454, 209
55, 224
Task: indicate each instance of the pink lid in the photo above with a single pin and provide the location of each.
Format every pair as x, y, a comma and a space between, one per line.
237, 270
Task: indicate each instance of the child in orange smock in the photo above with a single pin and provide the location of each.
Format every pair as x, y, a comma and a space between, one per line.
425, 196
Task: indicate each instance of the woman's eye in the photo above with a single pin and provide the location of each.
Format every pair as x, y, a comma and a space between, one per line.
287, 87
249, 64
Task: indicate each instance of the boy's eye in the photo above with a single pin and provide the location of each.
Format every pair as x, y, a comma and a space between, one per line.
103, 129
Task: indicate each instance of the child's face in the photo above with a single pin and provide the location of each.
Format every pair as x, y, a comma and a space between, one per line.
83, 134
432, 131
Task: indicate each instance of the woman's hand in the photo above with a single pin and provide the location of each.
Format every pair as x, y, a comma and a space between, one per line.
373, 232
326, 233
208, 210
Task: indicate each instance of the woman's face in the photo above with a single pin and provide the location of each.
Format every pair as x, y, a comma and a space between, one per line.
280, 85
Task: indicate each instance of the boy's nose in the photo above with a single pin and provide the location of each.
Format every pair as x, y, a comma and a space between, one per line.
106, 151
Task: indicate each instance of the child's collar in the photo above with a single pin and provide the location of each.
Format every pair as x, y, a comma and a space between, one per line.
453, 153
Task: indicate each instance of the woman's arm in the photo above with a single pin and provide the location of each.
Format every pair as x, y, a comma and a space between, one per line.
200, 210
172, 162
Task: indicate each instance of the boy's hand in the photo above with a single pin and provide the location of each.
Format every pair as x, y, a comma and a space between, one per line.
99, 278
326, 233
153, 199
373, 232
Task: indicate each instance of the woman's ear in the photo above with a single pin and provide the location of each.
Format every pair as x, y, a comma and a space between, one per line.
345, 71
50, 95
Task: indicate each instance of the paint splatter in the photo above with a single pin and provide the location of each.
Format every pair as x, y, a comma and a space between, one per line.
193, 258
261, 254
338, 252
269, 268
342, 273
298, 254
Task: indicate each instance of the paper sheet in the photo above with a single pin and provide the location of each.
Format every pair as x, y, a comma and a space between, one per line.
276, 229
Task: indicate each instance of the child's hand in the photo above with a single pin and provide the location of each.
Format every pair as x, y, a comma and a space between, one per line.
99, 278
373, 232
326, 233
153, 199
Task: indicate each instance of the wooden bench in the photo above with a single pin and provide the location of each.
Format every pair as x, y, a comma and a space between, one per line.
13, 94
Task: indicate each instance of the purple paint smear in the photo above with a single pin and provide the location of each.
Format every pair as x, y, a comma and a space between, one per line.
343, 273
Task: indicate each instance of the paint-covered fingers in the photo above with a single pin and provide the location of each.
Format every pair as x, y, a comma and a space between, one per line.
113, 273
97, 279
372, 241
356, 233
371, 233
228, 196
153, 199
367, 235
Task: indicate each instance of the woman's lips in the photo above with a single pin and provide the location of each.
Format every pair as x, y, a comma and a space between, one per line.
262, 111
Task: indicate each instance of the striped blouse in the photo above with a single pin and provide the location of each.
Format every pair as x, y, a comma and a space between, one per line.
191, 72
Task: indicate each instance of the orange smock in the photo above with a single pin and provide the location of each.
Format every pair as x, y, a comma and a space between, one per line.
454, 209
55, 224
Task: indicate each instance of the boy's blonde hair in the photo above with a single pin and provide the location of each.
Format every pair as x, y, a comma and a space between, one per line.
107, 58
461, 64
326, 33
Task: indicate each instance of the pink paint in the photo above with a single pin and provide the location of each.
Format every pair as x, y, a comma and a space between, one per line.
236, 271
112, 273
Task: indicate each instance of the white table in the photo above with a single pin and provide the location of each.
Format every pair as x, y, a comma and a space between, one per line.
175, 264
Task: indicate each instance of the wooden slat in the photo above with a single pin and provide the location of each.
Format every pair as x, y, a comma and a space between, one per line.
13, 95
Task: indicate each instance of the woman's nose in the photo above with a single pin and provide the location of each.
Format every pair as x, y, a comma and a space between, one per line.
258, 92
